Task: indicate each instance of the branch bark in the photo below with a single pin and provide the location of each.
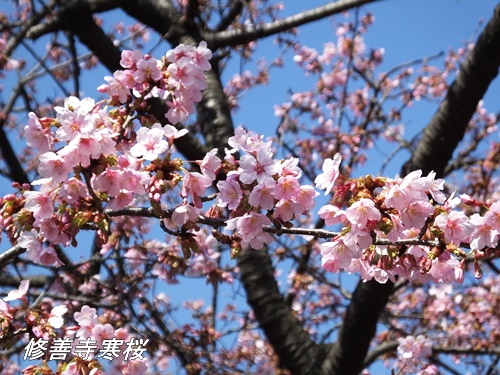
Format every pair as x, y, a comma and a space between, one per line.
447, 128
242, 36
295, 349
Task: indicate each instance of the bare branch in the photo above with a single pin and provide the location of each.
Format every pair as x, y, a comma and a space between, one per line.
242, 36
10, 254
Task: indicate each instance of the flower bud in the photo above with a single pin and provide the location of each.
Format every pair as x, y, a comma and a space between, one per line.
478, 273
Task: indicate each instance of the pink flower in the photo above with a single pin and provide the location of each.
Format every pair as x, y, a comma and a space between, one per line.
326, 180
130, 58
50, 231
230, 193
287, 187
210, 164
185, 213
150, 143
54, 166
121, 200
147, 69
86, 317
263, 194
19, 292
116, 88
415, 215
483, 235
182, 73
258, 168
455, 226
287, 209
47, 257
331, 214
337, 254
177, 112
172, 133
102, 332
250, 228
361, 211
381, 275
202, 56
397, 197
39, 203
35, 250
180, 52
37, 135
493, 216
87, 320
306, 197
74, 123
435, 187
108, 181
412, 351
135, 367
72, 190
194, 185
290, 167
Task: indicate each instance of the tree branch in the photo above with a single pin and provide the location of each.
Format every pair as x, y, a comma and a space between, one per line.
294, 347
242, 36
447, 127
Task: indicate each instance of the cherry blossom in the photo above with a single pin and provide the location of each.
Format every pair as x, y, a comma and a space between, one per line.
19, 292
330, 168
361, 211
230, 193
257, 168
150, 143
54, 166
38, 135
455, 226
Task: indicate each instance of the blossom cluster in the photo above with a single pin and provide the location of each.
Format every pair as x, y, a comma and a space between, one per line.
403, 227
413, 353
178, 78
259, 182
92, 157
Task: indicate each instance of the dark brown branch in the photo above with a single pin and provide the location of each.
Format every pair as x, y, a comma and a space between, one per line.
348, 353
242, 36
382, 349
78, 19
295, 349
447, 127
16, 171
231, 15
10, 254
55, 23
38, 281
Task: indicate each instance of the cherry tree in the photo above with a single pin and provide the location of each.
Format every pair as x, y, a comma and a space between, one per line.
304, 265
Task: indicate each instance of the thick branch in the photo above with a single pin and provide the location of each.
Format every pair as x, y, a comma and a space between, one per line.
360, 322
447, 127
242, 36
231, 15
214, 115
295, 349
78, 19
